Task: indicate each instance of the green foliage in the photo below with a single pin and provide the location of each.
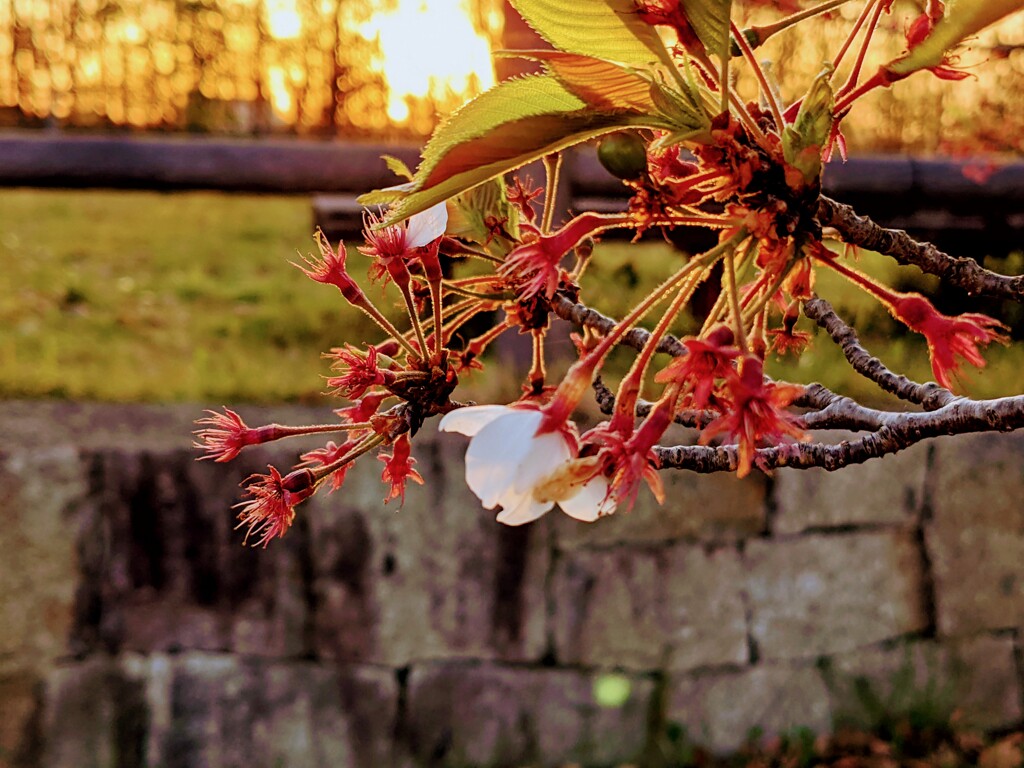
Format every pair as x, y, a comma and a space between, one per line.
139, 296
909, 714
606, 29
963, 19
514, 123
802, 141
710, 20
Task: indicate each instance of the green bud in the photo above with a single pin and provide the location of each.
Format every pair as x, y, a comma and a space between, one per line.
623, 155
802, 141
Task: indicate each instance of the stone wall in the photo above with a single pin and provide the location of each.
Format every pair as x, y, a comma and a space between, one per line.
135, 630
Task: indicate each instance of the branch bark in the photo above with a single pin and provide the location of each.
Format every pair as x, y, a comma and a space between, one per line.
962, 272
930, 395
887, 431
959, 417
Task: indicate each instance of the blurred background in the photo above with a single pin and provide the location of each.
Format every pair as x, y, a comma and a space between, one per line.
143, 295
162, 162
140, 295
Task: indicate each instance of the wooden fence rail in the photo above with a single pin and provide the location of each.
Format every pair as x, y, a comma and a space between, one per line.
931, 198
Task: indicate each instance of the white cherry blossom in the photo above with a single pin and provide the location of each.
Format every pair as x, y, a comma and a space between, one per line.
508, 464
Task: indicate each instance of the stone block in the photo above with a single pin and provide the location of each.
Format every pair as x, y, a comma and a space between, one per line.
678, 607
164, 569
823, 594
95, 714
436, 579
491, 715
711, 508
200, 710
974, 677
19, 703
40, 490
721, 710
885, 491
975, 538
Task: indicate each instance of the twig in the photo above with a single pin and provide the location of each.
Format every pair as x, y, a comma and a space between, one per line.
931, 396
962, 272
582, 315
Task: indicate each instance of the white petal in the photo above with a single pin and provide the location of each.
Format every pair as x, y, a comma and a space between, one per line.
526, 511
425, 227
495, 454
548, 453
471, 419
591, 502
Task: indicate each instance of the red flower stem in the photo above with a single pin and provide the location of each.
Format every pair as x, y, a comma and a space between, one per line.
699, 178
751, 307
448, 330
762, 33
734, 301
410, 306
724, 83
629, 389
480, 343
474, 295
762, 79
714, 315
453, 247
580, 375
537, 373
476, 280
759, 330
322, 473
851, 81
457, 314
701, 221
748, 121
718, 309
861, 280
435, 302
552, 167
386, 325
703, 261
851, 37
880, 78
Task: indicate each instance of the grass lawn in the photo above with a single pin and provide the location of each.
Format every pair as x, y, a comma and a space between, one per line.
142, 296
136, 296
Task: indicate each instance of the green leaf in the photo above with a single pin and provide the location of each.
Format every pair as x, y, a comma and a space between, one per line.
802, 141
514, 123
607, 29
710, 20
607, 86
603, 85
962, 20
397, 166
470, 212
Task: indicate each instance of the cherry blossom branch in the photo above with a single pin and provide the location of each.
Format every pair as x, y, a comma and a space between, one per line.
582, 315
962, 272
828, 410
931, 396
961, 416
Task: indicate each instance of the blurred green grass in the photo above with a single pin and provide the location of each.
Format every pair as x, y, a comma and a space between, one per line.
137, 296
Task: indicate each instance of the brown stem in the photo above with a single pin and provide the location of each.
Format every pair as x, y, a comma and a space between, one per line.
930, 395
902, 430
962, 272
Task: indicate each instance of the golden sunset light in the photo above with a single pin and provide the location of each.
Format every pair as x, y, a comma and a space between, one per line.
428, 51
352, 66
380, 68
